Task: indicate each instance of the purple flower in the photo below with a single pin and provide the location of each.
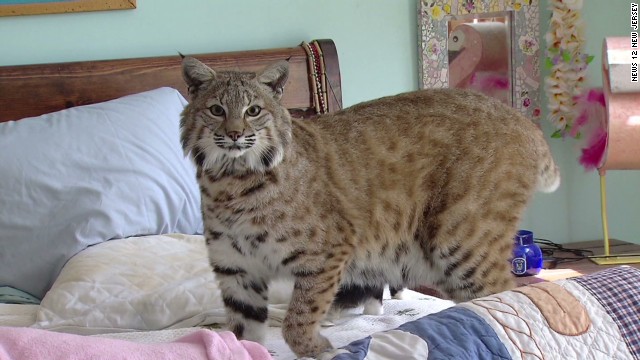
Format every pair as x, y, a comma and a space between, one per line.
536, 112
469, 5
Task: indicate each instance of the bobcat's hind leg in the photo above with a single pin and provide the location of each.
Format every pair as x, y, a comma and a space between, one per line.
477, 268
373, 306
355, 295
396, 292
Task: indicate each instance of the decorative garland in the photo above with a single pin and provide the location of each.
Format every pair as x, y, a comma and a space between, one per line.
567, 64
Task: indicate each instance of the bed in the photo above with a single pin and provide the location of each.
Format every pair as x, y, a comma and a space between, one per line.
101, 252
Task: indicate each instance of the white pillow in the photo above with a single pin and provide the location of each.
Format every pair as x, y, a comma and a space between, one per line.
88, 174
134, 284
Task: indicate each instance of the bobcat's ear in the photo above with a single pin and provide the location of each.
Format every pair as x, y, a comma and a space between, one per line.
275, 76
195, 73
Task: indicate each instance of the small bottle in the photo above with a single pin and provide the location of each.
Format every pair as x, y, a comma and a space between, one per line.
527, 255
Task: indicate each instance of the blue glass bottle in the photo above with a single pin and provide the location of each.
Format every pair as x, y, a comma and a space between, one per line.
527, 256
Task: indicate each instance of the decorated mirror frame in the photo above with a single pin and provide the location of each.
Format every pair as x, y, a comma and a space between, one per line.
433, 18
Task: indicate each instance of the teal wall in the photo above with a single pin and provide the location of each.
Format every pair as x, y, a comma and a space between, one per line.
376, 39
377, 46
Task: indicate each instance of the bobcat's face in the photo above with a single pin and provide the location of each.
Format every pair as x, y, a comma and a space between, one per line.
234, 122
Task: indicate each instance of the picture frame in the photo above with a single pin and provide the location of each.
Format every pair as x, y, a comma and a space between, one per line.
433, 18
35, 7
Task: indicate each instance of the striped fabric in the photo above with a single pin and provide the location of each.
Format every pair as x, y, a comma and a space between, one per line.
618, 291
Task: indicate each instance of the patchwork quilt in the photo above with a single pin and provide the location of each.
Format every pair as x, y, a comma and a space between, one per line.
595, 316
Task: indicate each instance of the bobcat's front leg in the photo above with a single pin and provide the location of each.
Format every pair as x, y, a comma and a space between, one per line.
245, 298
312, 296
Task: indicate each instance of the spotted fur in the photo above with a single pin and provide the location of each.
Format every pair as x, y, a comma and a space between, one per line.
425, 187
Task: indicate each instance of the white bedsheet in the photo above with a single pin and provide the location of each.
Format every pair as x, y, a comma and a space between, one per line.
352, 326
159, 288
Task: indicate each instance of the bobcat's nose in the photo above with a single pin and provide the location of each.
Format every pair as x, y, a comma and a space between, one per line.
234, 135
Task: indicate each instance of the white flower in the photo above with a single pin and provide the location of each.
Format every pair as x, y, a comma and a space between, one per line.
433, 49
566, 79
556, 17
559, 120
528, 44
573, 4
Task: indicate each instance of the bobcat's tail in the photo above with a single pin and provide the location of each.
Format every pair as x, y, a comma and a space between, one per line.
548, 172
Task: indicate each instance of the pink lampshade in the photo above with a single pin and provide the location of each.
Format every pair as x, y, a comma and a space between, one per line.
623, 107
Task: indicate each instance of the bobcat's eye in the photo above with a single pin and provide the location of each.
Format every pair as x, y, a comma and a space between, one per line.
254, 110
217, 110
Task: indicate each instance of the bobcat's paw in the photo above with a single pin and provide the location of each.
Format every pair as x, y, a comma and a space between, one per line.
373, 307
398, 295
312, 348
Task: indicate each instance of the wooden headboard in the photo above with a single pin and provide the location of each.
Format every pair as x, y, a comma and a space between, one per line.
32, 90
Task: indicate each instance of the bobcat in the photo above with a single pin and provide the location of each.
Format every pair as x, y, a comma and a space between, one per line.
425, 187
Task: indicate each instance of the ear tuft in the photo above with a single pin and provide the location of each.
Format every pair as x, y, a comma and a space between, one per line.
195, 73
275, 76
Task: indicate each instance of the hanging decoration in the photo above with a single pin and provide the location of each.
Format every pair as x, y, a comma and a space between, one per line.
567, 65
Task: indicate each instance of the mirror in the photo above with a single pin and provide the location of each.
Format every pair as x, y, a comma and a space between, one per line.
486, 45
479, 56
